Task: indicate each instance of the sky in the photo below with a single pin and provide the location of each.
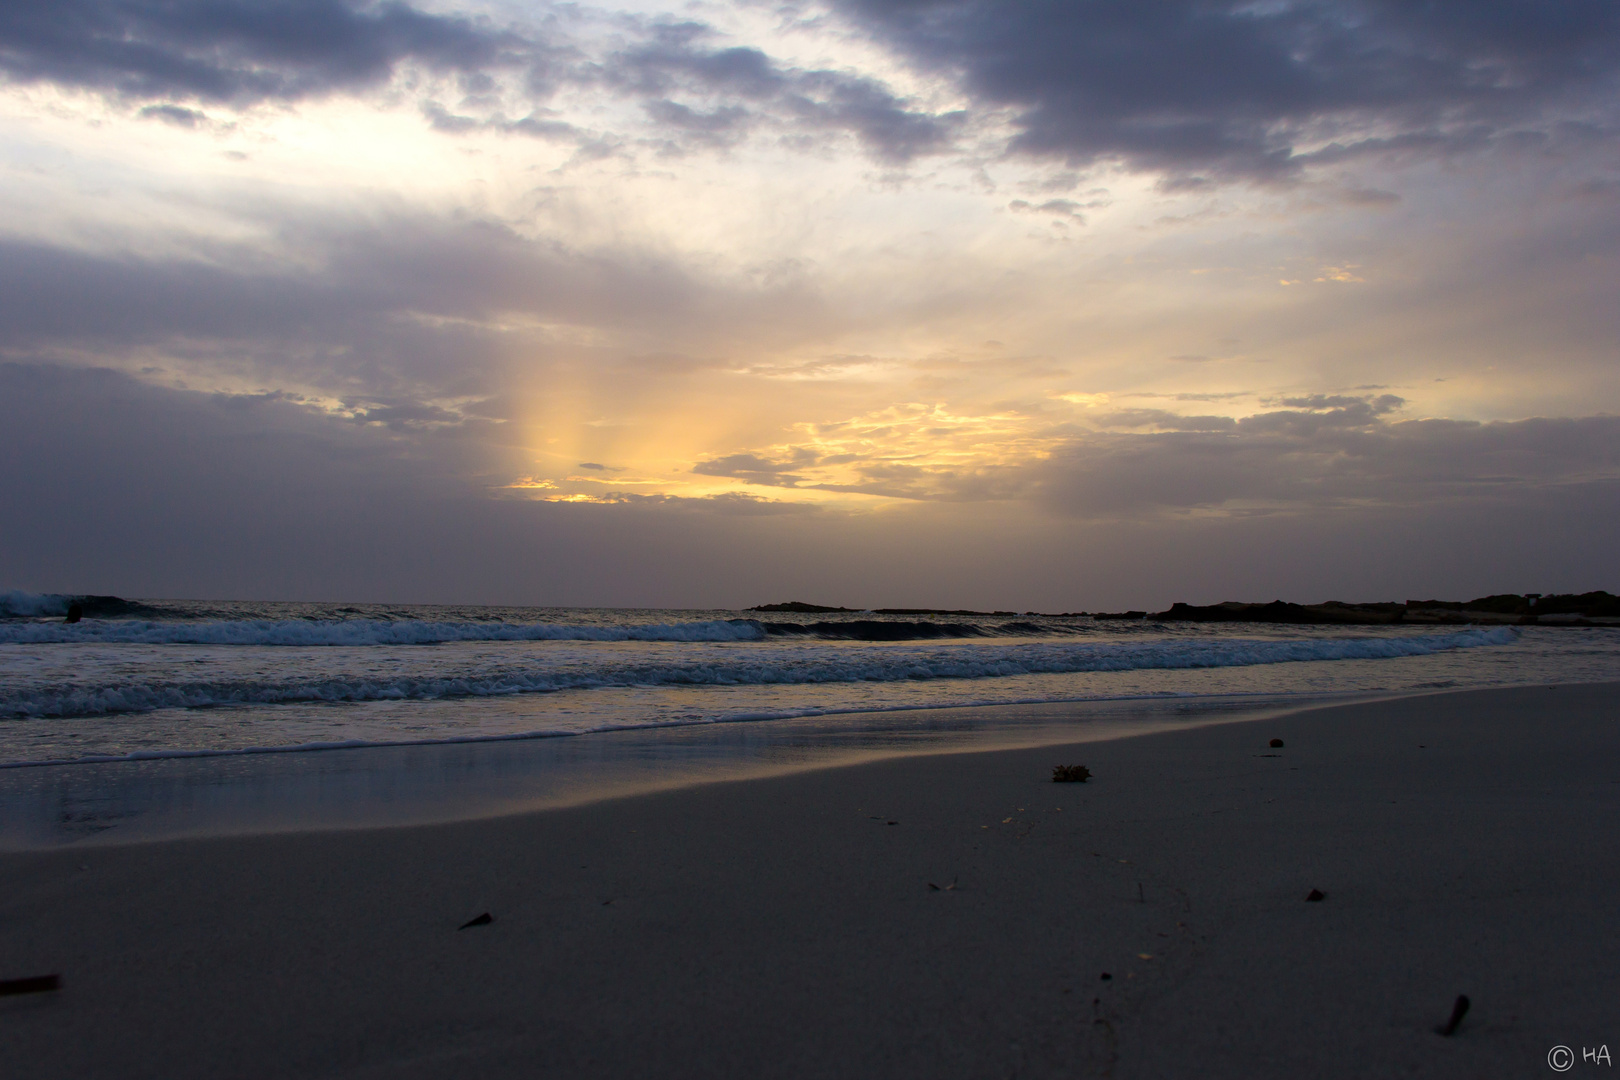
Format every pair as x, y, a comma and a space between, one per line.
1051, 306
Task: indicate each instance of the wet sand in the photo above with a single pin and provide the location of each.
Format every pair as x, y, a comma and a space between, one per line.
938, 916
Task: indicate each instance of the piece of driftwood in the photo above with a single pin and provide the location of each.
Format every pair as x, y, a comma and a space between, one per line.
33, 984
1458, 1010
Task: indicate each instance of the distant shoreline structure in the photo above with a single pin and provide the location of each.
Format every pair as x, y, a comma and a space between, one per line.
1529, 609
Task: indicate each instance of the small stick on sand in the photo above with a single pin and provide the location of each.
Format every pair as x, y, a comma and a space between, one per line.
1458, 1010
34, 984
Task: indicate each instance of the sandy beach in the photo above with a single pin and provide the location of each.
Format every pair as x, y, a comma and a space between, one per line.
940, 916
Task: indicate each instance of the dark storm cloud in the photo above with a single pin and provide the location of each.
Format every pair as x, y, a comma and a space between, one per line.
217, 50
1236, 89
730, 91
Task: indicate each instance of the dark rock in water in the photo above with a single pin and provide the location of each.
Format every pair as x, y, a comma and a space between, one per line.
1576, 609
1459, 1009
1276, 744
1315, 896
1502, 608
874, 630
75, 612
936, 611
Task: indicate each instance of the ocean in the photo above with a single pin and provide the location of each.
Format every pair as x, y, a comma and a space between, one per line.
82, 704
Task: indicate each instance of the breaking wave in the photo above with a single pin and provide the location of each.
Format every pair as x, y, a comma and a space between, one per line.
361, 632
273, 632
16, 604
753, 668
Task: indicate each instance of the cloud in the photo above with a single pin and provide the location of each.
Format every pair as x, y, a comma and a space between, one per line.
174, 114
1320, 451
739, 88
376, 308
124, 488
1249, 90
238, 54
1163, 420
728, 503
1060, 208
1295, 461
757, 470
233, 52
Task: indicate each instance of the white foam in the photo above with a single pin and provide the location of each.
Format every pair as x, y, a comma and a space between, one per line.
760, 666
550, 733
16, 604
312, 632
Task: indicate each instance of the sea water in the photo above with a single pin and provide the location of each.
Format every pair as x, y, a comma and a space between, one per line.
645, 691
179, 677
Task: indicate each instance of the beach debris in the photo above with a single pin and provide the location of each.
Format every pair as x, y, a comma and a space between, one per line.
943, 888
1276, 744
1459, 1009
891, 823
482, 920
1070, 774
1141, 897
1106, 977
1315, 895
33, 984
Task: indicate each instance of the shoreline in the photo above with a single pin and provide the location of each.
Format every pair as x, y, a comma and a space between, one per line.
95, 803
462, 740
783, 926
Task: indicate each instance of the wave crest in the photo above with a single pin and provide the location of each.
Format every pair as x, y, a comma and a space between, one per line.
361, 632
754, 668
